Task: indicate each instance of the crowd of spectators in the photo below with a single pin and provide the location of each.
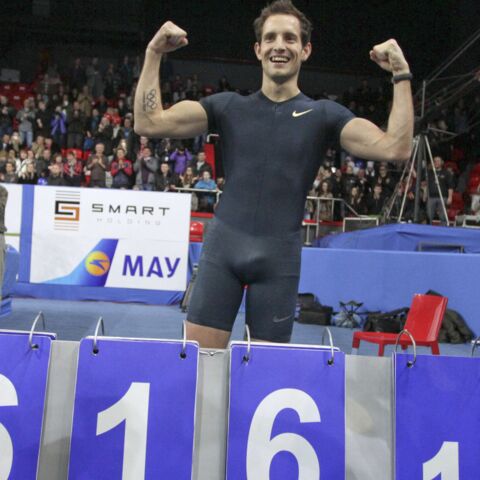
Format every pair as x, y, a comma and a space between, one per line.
76, 129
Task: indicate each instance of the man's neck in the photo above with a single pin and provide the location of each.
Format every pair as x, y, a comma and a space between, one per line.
280, 92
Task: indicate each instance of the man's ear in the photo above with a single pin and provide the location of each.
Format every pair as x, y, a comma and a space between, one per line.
257, 49
306, 51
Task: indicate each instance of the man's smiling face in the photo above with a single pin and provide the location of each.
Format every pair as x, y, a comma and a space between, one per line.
280, 50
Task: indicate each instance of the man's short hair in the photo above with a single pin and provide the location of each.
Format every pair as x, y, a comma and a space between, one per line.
283, 7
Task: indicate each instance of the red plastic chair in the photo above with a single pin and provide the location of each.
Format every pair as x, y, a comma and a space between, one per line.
423, 322
196, 231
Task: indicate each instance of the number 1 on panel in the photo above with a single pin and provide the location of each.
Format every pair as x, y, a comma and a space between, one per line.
133, 409
444, 463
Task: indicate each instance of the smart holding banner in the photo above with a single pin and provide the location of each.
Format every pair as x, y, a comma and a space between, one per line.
134, 410
287, 413
437, 417
23, 383
112, 239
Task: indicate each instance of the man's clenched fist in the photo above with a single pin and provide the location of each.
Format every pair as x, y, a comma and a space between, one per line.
390, 57
168, 38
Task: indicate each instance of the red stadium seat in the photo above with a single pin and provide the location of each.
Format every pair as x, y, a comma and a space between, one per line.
475, 170
423, 322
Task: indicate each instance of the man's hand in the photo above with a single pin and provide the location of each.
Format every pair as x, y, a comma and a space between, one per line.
390, 57
168, 39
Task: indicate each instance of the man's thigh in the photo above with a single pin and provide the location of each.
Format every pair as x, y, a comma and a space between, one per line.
271, 307
216, 297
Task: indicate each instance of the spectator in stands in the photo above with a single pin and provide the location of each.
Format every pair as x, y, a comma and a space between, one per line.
385, 179
73, 170
77, 75
165, 179
38, 146
6, 121
200, 165
188, 179
94, 78
55, 178
220, 183
126, 134
29, 177
111, 81
57, 160
349, 179
445, 183
363, 183
104, 135
97, 166
375, 200
325, 205
180, 158
356, 201
59, 127
224, 84
85, 101
121, 170
126, 74
42, 162
145, 168
10, 175
5, 144
206, 201
138, 148
76, 127
22, 162
26, 119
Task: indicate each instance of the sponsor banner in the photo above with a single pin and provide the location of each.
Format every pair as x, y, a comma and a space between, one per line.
134, 411
109, 238
13, 215
437, 417
286, 413
23, 383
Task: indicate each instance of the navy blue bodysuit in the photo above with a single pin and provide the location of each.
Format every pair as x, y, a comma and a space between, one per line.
271, 154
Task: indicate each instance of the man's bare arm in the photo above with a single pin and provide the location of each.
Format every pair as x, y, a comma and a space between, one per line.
364, 139
183, 120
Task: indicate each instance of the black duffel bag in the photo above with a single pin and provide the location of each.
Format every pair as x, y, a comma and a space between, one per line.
312, 311
387, 322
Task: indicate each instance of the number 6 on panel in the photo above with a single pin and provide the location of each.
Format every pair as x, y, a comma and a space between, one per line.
133, 409
444, 463
8, 398
261, 448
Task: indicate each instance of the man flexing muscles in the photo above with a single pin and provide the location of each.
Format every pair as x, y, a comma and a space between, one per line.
255, 238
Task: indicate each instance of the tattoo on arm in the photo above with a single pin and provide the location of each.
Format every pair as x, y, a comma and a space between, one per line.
150, 101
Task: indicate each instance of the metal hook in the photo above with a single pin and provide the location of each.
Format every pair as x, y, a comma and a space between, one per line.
327, 330
183, 353
30, 336
410, 363
246, 357
475, 344
99, 324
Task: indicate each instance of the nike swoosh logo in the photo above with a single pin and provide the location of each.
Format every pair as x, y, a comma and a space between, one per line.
299, 114
278, 320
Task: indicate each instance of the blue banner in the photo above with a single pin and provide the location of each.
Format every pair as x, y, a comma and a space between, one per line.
23, 383
287, 413
134, 410
437, 418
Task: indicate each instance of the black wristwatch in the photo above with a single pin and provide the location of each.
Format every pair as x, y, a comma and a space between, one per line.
401, 77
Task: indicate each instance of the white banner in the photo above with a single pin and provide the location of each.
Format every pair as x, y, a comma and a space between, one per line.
111, 238
13, 215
